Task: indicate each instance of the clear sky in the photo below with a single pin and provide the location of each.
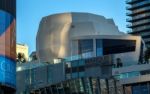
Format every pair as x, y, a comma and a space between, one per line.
30, 12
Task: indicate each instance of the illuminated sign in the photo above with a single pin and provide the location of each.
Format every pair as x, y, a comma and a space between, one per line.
7, 43
7, 71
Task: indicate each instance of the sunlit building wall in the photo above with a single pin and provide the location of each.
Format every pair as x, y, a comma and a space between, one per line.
24, 49
64, 35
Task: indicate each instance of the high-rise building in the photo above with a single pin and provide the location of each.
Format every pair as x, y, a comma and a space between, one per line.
139, 18
7, 46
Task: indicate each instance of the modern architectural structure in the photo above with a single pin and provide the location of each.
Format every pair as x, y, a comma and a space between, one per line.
23, 49
7, 47
139, 18
84, 35
82, 86
77, 53
134, 78
36, 77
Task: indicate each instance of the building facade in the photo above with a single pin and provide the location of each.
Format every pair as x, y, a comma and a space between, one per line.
84, 35
23, 49
134, 78
67, 26
81, 59
139, 18
35, 75
84, 85
81, 74
7, 46
33, 56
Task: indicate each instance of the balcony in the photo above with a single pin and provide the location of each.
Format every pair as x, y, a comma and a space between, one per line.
129, 19
141, 29
131, 1
129, 31
131, 68
138, 11
134, 6
129, 25
135, 79
140, 23
128, 7
147, 39
129, 13
138, 17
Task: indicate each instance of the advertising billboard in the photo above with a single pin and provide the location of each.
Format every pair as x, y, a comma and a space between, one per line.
8, 43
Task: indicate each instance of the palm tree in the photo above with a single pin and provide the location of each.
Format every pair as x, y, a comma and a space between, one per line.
21, 58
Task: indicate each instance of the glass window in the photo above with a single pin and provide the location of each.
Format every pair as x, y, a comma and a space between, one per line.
68, 70
123, 75
103, 86
74, 75
86, 47
133, 74
67, 87
59, 88
88, 88
127, 75
68, 76
81, 69
119, 87
87, 55
136, 89
74, 69
99, 47
81, 74
95, 86
111, 86
32, 76
81, 85
144, 88
73, 87
74, 63
112, 46
49, 74
68, 64
54, 89
81, 62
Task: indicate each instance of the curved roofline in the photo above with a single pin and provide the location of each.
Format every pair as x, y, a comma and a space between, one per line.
76, 13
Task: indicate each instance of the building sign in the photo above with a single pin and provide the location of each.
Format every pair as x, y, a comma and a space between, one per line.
7, 71
7, 43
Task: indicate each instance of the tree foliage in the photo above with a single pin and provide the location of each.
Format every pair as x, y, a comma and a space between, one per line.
21, 58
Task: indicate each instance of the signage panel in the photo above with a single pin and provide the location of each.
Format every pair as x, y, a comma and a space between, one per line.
8, 43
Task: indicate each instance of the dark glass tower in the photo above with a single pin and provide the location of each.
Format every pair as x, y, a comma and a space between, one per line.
7, 46
139, 18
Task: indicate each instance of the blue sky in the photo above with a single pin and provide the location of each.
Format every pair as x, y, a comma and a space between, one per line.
30, 12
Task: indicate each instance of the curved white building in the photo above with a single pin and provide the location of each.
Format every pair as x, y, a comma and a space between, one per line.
62, 35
